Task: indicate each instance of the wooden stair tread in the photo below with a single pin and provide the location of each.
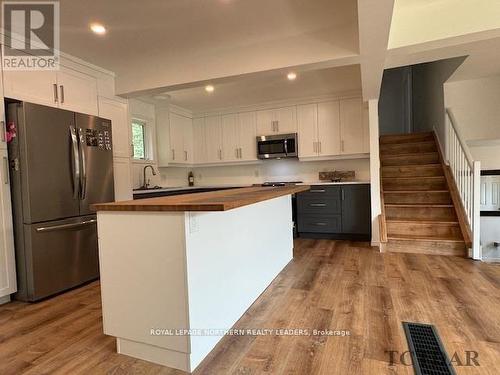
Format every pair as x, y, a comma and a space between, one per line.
424, 238
423, 222
414, 191
415, 178
423, 205
409, 155
428, 165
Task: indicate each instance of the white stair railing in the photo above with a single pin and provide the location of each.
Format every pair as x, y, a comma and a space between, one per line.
467, 175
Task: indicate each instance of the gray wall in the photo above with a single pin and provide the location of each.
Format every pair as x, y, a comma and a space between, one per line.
428, 94
395, 114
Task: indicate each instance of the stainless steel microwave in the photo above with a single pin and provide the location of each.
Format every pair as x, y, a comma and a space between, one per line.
277, 146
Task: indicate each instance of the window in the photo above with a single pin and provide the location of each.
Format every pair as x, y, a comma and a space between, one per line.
139, 139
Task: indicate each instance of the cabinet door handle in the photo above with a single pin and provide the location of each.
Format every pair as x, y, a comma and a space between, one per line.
317, 191
277, 126
6, 170
56, 95
173, 154
317, 204
236, 151
62, 94
241, 153
343, 194
321, 224
220, 154
319, 145
132, 150
2, 130
185, 155
342, 146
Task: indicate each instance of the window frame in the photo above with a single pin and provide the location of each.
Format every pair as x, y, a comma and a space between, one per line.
145, 139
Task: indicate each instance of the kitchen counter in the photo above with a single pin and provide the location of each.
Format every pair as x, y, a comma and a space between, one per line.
181, 188
173, 268
333, 183
210, 201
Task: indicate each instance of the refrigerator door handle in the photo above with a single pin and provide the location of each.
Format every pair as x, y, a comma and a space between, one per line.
83, 176
76, 162
66, 226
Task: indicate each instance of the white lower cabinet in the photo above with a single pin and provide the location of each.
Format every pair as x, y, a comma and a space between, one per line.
7, 258
123, 179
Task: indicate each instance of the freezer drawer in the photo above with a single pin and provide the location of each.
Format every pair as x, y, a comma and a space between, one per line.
59, 255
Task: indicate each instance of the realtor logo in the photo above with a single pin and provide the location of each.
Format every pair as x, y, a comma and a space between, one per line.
30, 35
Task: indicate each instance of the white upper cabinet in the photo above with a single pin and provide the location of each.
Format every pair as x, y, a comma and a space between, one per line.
286, 120
307, 121
351, 120
181, 139
77, 91
213, 139
247, 124
117, 112
199, 142
230, 137
328, 128
38, 87
277, 121
65, 88
7, 261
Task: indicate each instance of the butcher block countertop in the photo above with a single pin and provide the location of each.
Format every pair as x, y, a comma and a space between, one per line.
210, 201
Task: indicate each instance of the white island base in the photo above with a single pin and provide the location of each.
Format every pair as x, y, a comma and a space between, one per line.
187, 270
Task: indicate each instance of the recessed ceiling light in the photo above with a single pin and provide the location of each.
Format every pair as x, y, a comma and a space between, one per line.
98, 28
209, 88
291, 76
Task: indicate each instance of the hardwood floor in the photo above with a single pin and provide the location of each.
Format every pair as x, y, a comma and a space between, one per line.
329, 285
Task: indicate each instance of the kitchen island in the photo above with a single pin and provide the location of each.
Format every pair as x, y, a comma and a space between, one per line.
177, 271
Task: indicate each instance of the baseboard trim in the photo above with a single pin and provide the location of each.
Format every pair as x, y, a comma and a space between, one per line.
5, 299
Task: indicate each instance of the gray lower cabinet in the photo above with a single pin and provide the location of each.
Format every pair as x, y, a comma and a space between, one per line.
338, 211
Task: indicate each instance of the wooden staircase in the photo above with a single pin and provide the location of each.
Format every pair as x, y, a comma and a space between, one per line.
418, 207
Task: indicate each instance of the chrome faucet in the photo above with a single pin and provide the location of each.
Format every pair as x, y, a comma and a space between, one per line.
145, 184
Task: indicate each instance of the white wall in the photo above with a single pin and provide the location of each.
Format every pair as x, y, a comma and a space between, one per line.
278, 170
420, 21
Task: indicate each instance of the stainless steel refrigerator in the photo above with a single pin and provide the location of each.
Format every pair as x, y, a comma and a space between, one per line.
60, 163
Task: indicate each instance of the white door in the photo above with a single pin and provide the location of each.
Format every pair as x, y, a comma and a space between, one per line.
286, 120
247, 122
307, 120
176, 138
266, 122
38, 86
213, 137
123, 179
351, 126
77, 91
7, 261
117, 112
199, 143
328, 128
230, 137
187, 139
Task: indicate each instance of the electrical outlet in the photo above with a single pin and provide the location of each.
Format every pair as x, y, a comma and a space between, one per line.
193, 223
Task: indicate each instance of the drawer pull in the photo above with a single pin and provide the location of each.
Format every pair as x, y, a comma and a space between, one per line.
318, 191
318, 205
320, 224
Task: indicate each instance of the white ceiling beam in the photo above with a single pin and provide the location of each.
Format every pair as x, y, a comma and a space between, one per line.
374, 18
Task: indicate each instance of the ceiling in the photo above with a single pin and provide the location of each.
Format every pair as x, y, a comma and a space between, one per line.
268, 87
171, 42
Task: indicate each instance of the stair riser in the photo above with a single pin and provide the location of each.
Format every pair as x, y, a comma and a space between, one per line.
427, 247
420, 213
412, 171
417, 198
400, 149
451, 231
410, 160
406, 138
415, 184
